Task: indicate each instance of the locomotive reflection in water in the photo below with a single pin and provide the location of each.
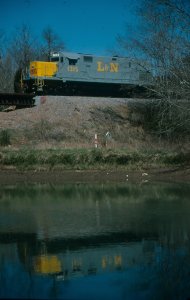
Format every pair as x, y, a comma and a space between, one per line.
95, 242
81, 74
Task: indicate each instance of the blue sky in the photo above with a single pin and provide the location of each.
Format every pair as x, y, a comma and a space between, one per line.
85, 26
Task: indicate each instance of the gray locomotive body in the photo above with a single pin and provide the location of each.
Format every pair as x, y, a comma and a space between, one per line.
74, 73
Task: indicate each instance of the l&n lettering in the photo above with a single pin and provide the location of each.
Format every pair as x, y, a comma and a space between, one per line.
110, 67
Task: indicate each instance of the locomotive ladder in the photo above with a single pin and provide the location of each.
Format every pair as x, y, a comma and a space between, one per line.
39, 82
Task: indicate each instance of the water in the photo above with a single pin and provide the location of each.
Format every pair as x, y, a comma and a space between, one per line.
95, 241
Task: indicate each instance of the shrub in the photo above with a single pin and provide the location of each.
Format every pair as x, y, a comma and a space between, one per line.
5, 138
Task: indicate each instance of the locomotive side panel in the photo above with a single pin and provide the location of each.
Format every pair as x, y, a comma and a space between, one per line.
102, 69
94, 69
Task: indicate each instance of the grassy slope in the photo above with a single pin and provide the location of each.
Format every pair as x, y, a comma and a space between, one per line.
91, 159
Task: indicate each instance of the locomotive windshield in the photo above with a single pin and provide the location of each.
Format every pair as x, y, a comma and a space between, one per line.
54, 59
55, 56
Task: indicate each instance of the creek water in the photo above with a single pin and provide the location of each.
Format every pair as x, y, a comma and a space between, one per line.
95, 241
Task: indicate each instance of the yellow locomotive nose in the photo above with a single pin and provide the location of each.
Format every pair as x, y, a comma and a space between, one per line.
42, 69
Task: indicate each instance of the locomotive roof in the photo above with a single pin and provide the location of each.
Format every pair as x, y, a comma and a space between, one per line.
75, 55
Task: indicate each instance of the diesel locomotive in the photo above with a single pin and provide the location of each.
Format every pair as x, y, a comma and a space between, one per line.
83, 74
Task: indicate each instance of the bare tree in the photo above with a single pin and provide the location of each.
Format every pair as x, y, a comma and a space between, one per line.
22, 47
1, 43
6, 66
6, 73
164, 40
52, 42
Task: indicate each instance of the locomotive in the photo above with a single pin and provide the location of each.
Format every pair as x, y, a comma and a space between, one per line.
84, 74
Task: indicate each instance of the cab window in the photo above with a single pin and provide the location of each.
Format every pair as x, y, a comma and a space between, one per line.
54, 59
72, 62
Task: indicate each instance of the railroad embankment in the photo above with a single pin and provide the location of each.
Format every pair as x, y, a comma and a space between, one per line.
85, 133
74, 122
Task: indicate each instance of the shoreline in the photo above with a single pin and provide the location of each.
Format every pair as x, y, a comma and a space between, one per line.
13, 176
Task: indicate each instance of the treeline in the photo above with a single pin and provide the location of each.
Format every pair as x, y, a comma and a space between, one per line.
18, 51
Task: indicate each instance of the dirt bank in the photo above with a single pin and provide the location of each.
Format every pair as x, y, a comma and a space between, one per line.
12, 176
66, 121
73, 121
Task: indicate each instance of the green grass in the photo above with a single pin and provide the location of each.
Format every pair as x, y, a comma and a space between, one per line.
91, 159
